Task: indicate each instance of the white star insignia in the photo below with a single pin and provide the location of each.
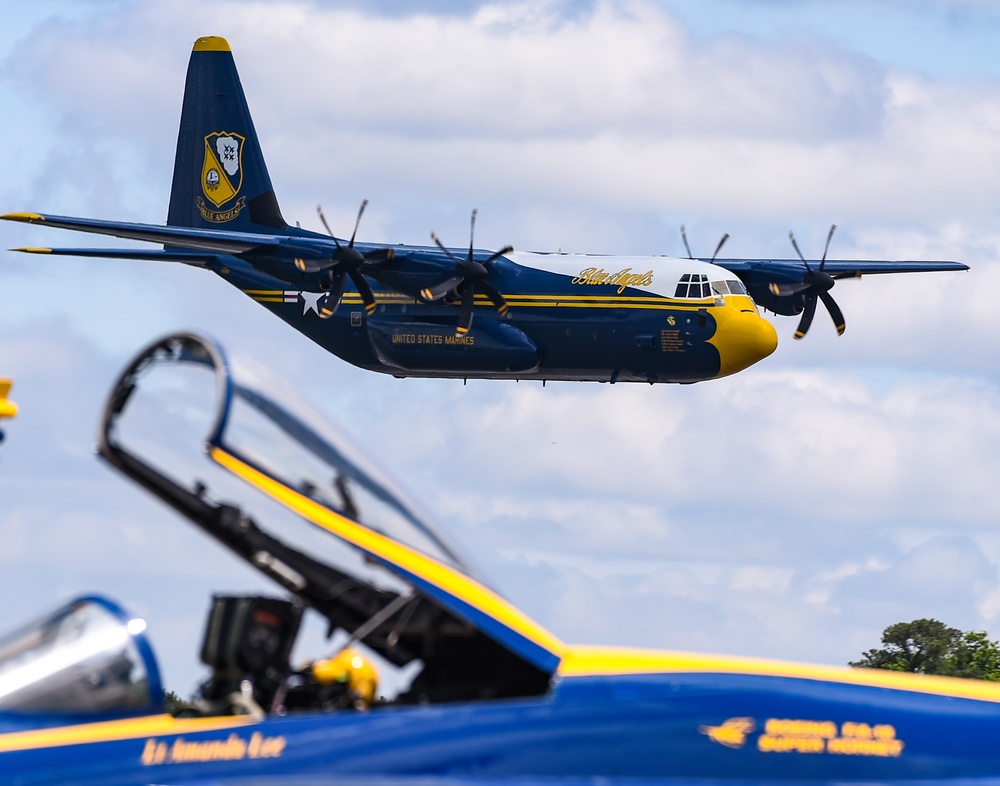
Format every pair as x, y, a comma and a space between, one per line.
310, 302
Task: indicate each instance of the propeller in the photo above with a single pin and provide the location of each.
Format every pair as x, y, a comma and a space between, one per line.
469, 274
343, 262
718, 248
815, 284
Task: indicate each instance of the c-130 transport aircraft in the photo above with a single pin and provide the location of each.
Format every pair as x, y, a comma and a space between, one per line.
433, 311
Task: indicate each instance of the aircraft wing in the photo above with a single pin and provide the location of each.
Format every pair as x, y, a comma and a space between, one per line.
767, 270
215, 240
761, 276
188, 257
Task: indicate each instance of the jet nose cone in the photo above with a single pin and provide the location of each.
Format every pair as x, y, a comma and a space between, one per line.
742, 339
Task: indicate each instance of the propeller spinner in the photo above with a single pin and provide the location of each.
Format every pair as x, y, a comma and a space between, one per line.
468, 276
345, 261
815, 284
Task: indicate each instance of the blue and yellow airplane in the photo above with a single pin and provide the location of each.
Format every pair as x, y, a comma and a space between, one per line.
433, 311
497, 699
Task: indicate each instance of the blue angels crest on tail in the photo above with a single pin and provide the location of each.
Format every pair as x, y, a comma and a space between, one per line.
222, 177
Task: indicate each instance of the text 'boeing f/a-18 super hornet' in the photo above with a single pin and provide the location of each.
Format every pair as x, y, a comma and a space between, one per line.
433, 311
481, 693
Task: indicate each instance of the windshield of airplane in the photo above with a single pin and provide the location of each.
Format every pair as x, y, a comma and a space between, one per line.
730, 287
88, 656
186, 394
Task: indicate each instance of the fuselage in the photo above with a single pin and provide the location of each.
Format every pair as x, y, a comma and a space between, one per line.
620, 716
570, 317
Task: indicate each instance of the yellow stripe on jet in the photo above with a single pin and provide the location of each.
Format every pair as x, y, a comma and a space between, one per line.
454, 582
125, 729
605, 661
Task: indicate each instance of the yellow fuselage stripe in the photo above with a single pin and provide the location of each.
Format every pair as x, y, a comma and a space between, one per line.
606, 661
124, 729
452, 581
523, 301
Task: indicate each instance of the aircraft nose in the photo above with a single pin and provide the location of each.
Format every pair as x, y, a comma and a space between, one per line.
742, 339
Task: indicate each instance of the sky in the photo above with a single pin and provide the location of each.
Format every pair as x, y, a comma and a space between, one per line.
792, 511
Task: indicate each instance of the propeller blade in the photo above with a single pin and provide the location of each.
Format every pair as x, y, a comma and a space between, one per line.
807, 317
446, 251
378, 257
494, 294
333, 295
783, 289
438, 291
829, 237
316, 265
684, 237
791, 236
835, 313
465, 316
472, 231
364, 290
468, 275
498, 254
357, 222
319, 209
718, 248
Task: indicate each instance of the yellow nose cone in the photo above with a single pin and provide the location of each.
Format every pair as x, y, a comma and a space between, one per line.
742, 338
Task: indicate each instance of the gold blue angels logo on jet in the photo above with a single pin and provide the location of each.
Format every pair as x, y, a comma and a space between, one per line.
222, 176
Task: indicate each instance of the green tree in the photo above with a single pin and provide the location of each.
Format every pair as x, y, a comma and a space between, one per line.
174, 703
927, 646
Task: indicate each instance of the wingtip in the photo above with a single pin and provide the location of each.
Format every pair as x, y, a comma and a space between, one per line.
211, 43
28, 218
33, 250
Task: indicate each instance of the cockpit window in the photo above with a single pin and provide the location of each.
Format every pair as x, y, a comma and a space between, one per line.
693, 285
731, 287
87, 656
182, 397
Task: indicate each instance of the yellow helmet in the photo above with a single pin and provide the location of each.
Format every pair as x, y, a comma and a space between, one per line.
349, 666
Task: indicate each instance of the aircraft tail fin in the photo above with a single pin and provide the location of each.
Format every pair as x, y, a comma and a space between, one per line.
220, 179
